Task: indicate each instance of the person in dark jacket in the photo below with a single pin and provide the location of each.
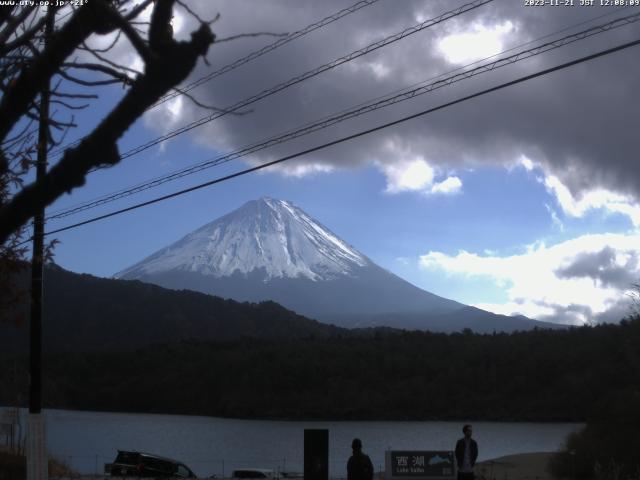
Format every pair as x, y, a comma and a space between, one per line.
466, 454
359, 466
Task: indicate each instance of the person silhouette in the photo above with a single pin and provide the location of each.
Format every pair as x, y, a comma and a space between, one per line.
466, 454
359, 466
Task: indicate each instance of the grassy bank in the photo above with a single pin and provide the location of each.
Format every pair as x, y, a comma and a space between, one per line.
13, 466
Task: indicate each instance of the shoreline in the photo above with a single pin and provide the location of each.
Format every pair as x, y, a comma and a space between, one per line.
24, 409
522, 466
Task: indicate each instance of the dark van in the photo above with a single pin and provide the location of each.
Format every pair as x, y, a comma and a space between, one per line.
138, 464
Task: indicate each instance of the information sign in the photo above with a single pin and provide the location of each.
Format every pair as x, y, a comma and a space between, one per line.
419, 464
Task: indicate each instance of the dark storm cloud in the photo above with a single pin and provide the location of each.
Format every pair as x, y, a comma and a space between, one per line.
622, 309
580, 124
572, 314
603, 267
580, 314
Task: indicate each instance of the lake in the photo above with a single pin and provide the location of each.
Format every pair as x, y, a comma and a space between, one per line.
208, 445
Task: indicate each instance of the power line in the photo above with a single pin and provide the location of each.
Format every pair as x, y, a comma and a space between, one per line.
355, 112
268, 48
309, 74
365, 108
250, 57
305, 76
355, 135
107, 198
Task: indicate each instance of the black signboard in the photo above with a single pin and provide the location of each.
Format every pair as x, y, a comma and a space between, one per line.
422, 464
316, 454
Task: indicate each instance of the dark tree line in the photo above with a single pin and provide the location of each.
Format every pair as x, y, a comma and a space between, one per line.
587, 374
568, 375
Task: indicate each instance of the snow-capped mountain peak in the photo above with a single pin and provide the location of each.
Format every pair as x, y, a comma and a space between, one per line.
267, 235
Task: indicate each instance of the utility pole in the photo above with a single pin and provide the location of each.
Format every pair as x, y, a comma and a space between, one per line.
37, 460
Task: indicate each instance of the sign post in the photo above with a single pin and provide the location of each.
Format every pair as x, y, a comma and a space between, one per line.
316, 454
37, 464
419, 465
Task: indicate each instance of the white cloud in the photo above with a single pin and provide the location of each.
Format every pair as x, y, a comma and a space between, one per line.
563, 124
122, 52
407, 171
449, 186
575, 281
169, 115
554, 217
378, 68
527, 163
303, 169
175, 107
408, 175
178, 24
480, 42
591, 200
417, 176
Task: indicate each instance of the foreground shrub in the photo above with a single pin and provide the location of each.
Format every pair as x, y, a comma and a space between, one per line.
13, 466
608, 447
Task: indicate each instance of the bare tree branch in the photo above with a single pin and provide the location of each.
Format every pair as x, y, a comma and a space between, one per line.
121, 77
169, 64
18, 135
113, 64
195, 15
102, 50
73, 95
69, 105
131, 33
88, 19
160, 31
210, 107
137, 10
12, 24
24, 37
87, 83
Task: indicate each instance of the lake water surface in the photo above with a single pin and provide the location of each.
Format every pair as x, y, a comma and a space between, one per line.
208, 445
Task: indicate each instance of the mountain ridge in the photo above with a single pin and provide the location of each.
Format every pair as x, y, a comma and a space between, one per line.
266, 233
269, 249
84, 312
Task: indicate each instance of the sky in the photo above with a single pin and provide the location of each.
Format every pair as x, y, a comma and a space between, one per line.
521, 201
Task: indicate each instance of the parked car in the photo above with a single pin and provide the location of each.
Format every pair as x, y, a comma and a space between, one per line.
138, 464
253, 473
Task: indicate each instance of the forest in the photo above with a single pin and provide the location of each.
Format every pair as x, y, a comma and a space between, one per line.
540, 375
588, 374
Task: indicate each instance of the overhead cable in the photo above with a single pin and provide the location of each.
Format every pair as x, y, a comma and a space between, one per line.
248, 58
354, 112
266, 49
307, 75
354, 136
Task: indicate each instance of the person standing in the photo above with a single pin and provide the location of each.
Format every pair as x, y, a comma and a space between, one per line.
359, 466
466, 454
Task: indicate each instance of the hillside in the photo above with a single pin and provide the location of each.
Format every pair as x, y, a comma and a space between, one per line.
83, 312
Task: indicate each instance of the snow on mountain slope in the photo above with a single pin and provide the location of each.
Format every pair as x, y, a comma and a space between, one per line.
268, 234
271, 250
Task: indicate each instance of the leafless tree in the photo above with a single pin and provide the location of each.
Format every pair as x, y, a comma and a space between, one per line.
73, 70
28, 64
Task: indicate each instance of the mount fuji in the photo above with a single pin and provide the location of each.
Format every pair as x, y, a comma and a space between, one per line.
272, 250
